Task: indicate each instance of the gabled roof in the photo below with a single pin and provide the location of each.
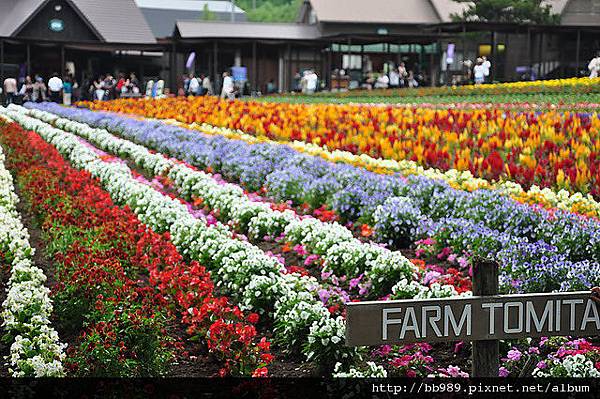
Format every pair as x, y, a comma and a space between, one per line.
162, 15
189, 5
399, 11
14, 14
116, 21
376, 11
246, 30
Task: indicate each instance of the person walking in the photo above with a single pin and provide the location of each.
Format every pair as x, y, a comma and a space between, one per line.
403, 74
207, 86
76, 96
67, 90
228, 89
479, 72
487, 66
394, 78
97, 88
594, 67
194, 86
39, 90
55, 87
311, 82
121, 86
10, 90
134, 84
26, 91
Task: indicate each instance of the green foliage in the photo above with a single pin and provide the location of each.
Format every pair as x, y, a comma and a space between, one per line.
270, 10
511, 11
208, 15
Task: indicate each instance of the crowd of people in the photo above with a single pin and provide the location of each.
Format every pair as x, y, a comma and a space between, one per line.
396, 77
106, 87
67, 89
191, 85
36, 90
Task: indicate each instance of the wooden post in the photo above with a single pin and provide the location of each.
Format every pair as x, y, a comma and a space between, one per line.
216, 86
62, 60
577, 53
541, 54
362, 62
529, 57
172, 68
329, 66
1, 61
485, 353
28, 59
349, 61
290, 68
493, 76
254, 85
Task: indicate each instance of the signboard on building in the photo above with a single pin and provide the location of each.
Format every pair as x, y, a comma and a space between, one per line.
239, 74
56, 25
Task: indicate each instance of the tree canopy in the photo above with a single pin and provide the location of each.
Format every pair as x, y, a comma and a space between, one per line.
270, 10
512, 11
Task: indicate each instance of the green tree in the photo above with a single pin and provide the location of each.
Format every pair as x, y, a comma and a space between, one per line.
208, 15
511, 11
270, 10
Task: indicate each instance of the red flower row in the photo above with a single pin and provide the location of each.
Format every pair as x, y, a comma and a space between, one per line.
104, 255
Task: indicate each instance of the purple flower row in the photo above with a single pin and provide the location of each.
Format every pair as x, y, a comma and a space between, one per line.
401, 209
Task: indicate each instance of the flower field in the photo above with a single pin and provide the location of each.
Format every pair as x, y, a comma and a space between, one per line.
548, 149
226, 238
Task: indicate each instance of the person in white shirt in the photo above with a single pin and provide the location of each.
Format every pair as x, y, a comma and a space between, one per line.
394, 78
228, 90
311, 82
594, 67
487, 65
193, 86
479, 72
55, 86
207, 86
382, 82
403, 74
10, 89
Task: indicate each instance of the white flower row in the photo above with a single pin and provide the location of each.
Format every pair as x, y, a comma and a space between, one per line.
36, 350
237, 264
465, 180
331, 240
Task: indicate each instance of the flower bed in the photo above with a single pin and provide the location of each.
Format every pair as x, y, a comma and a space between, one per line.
302, 307
104, 252
35, 350
456, 219
294, 301
577, 202
333, 242
549, 149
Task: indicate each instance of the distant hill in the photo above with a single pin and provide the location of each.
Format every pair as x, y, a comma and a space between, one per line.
270, 10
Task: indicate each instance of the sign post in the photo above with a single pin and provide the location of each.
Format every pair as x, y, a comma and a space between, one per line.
486, 353
483, 319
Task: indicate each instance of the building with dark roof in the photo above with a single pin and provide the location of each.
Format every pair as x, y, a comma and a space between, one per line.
84, 37
359, 36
